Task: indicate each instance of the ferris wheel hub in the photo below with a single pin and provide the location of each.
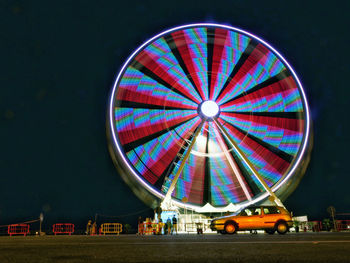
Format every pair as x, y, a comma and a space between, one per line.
209, 108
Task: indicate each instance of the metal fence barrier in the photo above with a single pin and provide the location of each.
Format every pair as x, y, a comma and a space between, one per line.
18, 229
111, 228
63, 228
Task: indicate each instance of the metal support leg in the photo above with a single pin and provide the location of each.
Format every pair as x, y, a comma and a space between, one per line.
233, 165
250, 165
177, 175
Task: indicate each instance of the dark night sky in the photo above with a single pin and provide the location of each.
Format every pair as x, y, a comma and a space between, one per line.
59, 61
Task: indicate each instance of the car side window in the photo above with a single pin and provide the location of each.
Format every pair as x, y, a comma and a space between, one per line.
257, 211
271, 210
266, 211
243, 213
246, 212
277, 211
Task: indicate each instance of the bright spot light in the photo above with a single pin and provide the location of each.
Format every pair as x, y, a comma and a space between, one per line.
201, 140
209, 108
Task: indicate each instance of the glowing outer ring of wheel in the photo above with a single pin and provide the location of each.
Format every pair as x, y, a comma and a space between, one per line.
305, 103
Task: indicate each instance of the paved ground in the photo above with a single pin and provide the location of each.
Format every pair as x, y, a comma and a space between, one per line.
302, 247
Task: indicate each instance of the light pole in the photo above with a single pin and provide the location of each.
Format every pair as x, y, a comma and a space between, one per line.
41, 218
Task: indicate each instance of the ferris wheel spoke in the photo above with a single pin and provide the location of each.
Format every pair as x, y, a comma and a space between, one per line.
180, 49
184, 139
240, 68
134, 124
131, 145
148, 172
225, 188
236, 172
173, 159
191, 180
282, 120
153, 158
207, 173
183, 162
171, 166
261, 65
163, 77
268, 132
269, 157
227, 49
139, 105
248, 163
210, 51
255, 187
281, 154
139, 88
270, 84
271, 114
172, 169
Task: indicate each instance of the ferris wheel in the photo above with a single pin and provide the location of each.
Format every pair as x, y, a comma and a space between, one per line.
208, 115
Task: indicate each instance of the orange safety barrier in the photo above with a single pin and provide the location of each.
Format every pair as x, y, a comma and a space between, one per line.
111, 228
159, 228
148, 228
63, 228
18, 229
141, 229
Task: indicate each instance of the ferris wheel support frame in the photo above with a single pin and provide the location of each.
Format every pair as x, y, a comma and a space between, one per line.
233, 165
277, 201
167, 199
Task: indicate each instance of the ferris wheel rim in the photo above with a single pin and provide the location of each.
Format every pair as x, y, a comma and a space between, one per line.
116, 143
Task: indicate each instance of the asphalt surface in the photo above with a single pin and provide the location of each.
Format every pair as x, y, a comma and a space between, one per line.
301, 247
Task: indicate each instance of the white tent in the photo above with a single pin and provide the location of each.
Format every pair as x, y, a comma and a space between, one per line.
208, 208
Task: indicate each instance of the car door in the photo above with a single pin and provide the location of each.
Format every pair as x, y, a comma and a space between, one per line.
270, 214
250, 218
243, 219
256, 219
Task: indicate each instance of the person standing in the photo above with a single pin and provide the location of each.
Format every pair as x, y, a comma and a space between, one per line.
94, 229
168, 223
174, 224
165, 227
140, 226
88, 228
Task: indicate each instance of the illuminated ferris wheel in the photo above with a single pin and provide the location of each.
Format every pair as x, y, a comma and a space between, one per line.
208, 115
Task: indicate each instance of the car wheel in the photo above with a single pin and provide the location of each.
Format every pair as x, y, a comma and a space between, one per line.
270, 231
281, 228
230, 228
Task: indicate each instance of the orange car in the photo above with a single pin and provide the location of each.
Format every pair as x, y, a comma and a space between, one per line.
269, 218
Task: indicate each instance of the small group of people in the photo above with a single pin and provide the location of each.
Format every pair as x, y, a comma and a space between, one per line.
167, 228
91, 228
170, 226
